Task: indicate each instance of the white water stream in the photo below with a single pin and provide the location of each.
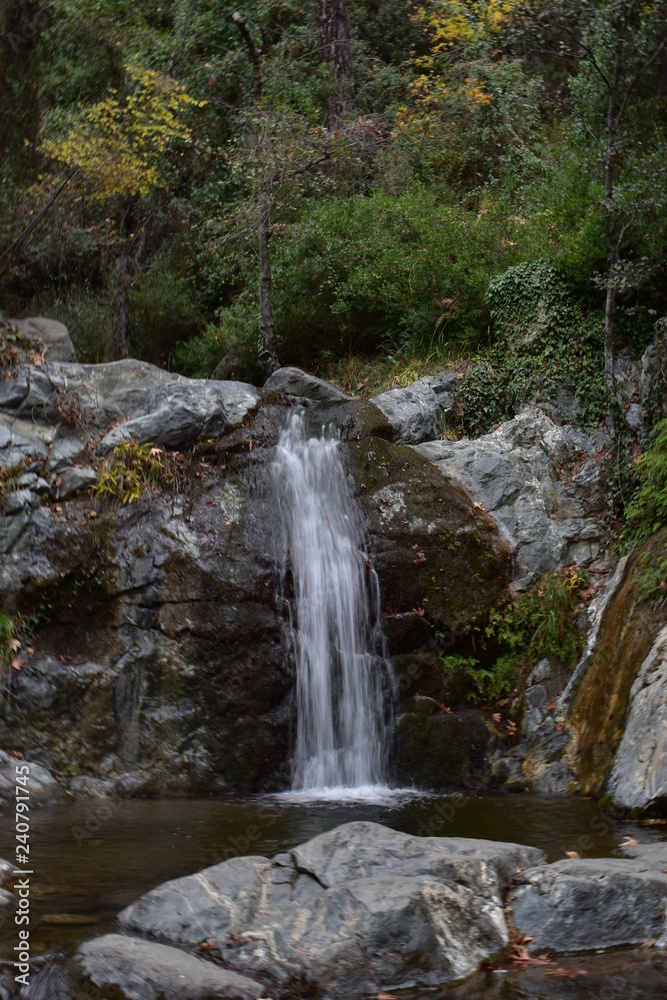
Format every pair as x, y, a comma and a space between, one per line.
345, 683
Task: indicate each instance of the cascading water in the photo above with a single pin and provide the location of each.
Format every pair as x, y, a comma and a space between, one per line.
345, 684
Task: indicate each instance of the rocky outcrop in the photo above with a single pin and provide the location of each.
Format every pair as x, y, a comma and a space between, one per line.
418, 412
352, 911
586, 905
157, 664
639, 775
542, 482
294, 382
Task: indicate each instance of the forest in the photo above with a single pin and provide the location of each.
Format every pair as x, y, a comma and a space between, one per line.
371, 191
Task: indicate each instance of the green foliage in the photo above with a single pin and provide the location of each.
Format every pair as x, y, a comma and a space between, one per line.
651, 585
540, 623
546, 342
127, 471
647, 510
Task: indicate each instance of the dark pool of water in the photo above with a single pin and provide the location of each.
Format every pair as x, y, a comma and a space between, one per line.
93, 858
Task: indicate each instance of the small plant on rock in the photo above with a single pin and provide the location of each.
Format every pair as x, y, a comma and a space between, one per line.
127, 470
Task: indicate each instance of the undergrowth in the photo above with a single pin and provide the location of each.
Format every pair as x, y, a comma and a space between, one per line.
540, 623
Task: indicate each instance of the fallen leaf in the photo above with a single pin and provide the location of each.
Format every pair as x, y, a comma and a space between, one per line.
478, 505
386, 996
419, 612
628, 842
648, 943
92, 514
566, 973
15, 645
18, 663
497, 717
573, 854
58, 509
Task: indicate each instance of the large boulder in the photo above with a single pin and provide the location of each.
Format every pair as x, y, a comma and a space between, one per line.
542, 482
639, 775
586, 905
355, 910
418, 412
294, 382
52, 334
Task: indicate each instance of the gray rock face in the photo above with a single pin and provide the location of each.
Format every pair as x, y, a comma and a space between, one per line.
294, 382
42, 786
147, 971
581, 905
145, 402
639, 776
354, 910
53, 335
521, 473
418, 411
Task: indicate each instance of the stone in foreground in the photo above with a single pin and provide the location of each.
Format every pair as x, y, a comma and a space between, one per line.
358, 909
145, 970
586, 905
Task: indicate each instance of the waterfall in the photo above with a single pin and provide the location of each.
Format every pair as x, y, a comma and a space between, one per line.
345, 683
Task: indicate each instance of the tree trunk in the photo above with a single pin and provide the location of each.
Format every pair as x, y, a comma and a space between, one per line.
266, 322
333, 41
611, 236
123, 306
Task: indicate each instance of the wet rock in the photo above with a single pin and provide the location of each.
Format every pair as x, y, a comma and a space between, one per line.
639, 775
42, 786
418, 412
436, 750
54, 335
144, 970
596, 704
543, 686
584, 905
521, 474
294, 382
357, 909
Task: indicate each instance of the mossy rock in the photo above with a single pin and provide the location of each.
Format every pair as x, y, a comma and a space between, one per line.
437, 750
600, 706
434, 550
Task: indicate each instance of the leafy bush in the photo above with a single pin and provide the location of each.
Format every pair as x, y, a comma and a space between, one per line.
540, 623
647, 510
